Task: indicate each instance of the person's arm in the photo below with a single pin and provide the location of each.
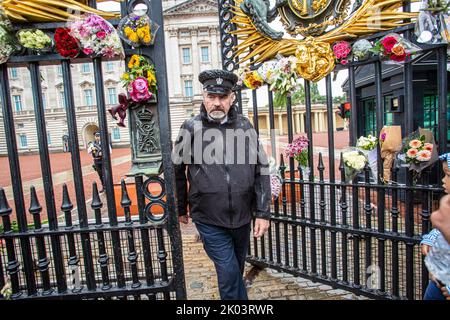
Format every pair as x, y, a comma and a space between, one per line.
428, 240
180, 173
441, 217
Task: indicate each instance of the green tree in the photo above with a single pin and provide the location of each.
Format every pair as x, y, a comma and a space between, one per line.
298, 97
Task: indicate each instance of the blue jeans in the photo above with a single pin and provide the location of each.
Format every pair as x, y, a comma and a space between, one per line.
433, 292
227, 248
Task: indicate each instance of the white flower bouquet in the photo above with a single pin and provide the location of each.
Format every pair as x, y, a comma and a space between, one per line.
368, 146
8, 44
354, 163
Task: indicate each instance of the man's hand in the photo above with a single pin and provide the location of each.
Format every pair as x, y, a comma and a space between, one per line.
441, 217
184, 219
261, 227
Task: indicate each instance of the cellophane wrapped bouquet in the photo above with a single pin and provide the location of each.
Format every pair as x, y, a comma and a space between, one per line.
96, 36
368, 146
354, 163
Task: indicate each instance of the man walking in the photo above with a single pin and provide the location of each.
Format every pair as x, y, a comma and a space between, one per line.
95, 149
227, 185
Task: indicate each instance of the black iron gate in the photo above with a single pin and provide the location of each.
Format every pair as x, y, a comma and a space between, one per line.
361, 236
134, 257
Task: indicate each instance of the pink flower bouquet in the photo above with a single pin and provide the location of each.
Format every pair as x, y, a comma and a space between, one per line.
419, 150
342, 50
298, 149
97, 37
139, 90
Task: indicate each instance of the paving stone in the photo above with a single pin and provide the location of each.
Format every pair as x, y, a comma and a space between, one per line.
196, 285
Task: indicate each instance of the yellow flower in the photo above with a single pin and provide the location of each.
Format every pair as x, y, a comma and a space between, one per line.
142, 32
133, 37
128, 31
125, 76
147, 39
151, 78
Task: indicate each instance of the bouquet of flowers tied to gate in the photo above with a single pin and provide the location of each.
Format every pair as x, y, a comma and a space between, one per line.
35, 39
354, 163
280, 74
298, 149
276, 181
140, 82
432, 24
390, 143
66, 45
368, 146
137, 30
419, 150
8, 43
395, 49
96, 36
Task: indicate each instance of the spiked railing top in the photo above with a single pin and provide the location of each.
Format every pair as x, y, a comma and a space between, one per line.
125, 202
66, 203
96, 202
35, 207
5, 209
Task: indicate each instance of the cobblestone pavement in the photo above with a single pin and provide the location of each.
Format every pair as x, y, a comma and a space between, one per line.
201, 280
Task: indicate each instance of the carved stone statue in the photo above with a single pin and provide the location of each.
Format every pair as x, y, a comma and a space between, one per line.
261, 14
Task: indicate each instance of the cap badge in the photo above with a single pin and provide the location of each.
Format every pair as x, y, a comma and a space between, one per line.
219, 81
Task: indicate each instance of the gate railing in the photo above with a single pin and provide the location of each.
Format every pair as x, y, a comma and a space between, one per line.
361, 236
137, 257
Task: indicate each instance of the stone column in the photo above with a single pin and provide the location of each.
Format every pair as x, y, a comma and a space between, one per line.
298, 129
316, 122
302, 122
268, 122
214, 52
321, 124
195, 62
280, 123
174, 64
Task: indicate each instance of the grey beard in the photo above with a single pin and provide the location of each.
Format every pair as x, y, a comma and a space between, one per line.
214, 116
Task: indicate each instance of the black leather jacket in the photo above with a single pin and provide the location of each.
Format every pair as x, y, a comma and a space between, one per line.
222, 194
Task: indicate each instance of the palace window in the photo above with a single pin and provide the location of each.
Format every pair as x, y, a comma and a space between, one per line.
44, 100
13, 73
188, 89
186, 55
23, 141
17, 102
86, 68
116, 134
62, 98
110, 66
205, 54
88, 98
112, 95
49, 138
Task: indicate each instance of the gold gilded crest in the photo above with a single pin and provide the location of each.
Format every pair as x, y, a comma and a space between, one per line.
315, 59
